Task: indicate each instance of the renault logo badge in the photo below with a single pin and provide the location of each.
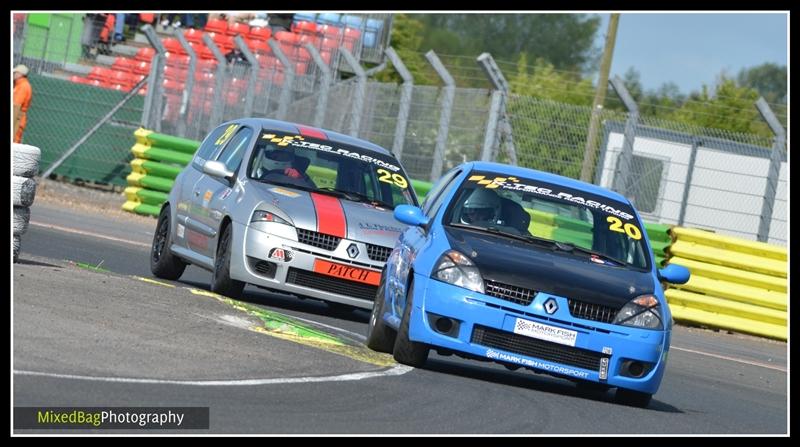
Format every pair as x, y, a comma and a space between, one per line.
550, 306
352, 251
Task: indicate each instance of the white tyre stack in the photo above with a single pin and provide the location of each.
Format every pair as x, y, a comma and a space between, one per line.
26, 165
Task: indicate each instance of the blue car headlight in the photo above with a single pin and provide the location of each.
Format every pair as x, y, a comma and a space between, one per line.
456, 269
643, 311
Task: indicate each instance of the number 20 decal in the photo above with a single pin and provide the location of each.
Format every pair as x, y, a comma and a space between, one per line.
631, 230
395, 179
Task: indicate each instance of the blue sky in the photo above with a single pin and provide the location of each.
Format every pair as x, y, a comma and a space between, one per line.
691, 49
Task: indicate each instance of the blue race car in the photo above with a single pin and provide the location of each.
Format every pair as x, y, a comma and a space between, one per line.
528, 269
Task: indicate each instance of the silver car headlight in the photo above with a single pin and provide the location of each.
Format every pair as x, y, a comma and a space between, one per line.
643, 311
457, 269
266, 216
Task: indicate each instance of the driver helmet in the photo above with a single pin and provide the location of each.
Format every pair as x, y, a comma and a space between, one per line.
276, 159
483, 205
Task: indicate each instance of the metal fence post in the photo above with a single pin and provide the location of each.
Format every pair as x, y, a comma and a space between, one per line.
361, 90
219, 79
696, 143
288, 79
444, 119
774, 168
251, 82
153, 104
622, 174
501, 120
491, 134
406, 90
324, 85
188, 87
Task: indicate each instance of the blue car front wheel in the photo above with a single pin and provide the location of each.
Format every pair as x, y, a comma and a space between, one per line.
406, 351
380, 337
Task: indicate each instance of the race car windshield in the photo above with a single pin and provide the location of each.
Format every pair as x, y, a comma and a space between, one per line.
603, 230
327, 167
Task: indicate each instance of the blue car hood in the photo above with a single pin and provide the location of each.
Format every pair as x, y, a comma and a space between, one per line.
568, 275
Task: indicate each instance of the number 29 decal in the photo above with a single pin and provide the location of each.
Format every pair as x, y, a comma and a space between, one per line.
631, 230
394, 179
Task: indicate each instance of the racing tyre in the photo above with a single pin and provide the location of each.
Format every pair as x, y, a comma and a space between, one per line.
15, 245
24, 190
163, 263
633, 398
406, 351
22, 216
26, 159
221, 281
380, 337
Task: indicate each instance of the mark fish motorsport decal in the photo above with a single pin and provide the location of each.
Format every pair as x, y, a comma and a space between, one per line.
513, 184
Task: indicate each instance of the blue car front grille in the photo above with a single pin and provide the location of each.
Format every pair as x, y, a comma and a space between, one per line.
319, 240
540, 349
591, 311
518, 295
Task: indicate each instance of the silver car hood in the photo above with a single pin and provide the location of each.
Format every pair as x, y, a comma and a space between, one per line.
310, 211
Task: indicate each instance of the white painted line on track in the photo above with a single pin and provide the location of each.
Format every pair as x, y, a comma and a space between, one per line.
88, 233
394, 371
732, 359
354, 334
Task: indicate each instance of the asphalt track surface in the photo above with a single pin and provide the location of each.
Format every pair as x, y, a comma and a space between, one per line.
105, 338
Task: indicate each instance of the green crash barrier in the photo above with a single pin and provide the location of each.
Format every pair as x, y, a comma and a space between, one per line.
736, 284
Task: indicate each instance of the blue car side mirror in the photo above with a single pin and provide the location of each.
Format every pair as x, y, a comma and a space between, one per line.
410, 215
674, 273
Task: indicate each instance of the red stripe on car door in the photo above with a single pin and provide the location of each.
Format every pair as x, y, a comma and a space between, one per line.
330, 215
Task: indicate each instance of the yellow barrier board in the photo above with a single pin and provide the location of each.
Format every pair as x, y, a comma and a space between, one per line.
753, 263
130, 194
133, 178
701, 317
732, 275
736, 244
141, 136
735, 292
726, 307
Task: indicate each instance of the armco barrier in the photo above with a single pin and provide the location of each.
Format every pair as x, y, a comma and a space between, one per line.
736, 284
160, 158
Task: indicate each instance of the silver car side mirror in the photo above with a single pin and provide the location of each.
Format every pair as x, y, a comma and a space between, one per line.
217, 169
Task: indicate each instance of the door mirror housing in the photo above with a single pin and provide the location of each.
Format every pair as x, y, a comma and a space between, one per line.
410, 215
674, 273
217, 169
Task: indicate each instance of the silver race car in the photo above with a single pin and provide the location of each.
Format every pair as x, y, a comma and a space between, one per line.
284, 207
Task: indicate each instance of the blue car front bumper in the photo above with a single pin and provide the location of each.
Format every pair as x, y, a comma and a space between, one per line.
484, 327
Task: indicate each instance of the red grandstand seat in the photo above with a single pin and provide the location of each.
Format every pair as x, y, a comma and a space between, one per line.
122, 78
304, 27
224, 41
326, 56
137, 78
233, 98
266, 61
142, 67
289, 49
79, 79
303, 55
238, 28
300, 68
171, 85
330, 31
206, 65
177, 60
101, 74
123, 64
175, 74
259, 46
193, 35
351, 36
313, 39
216, 26
259, 33
285, 36
173, 45
202, 51
95, 82
145, 54
204, 78
329, 44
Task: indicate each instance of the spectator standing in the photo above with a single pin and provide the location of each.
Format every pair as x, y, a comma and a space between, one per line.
22, 100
